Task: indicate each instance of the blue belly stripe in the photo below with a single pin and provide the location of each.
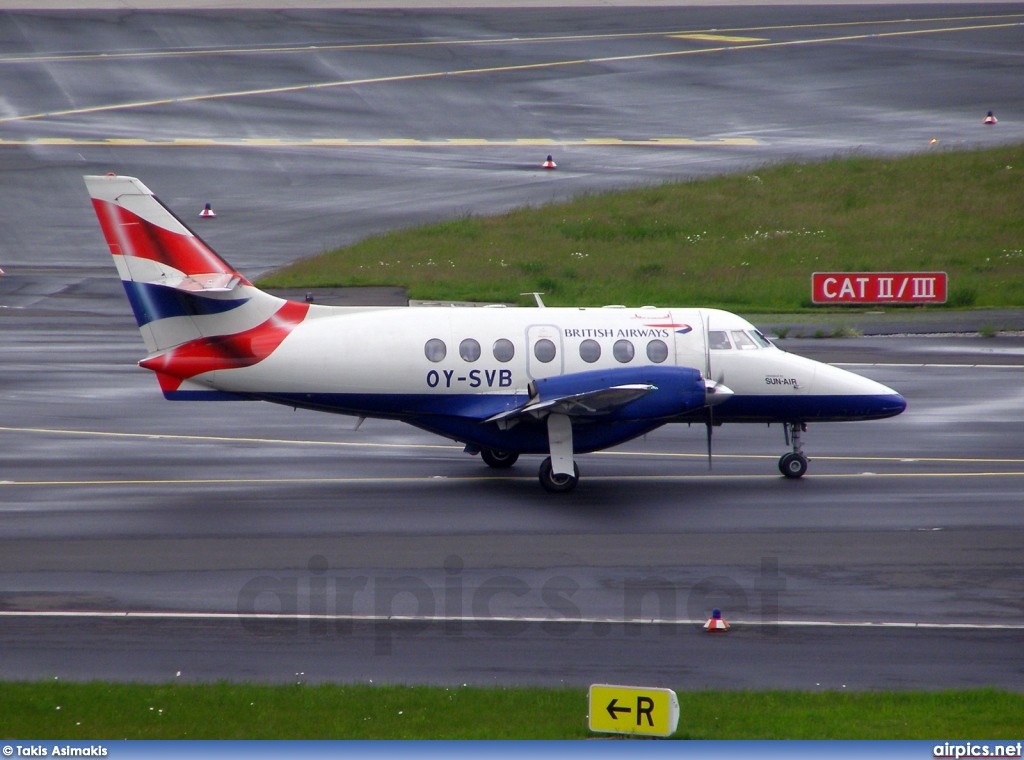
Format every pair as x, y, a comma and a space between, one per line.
809, 408
460, 416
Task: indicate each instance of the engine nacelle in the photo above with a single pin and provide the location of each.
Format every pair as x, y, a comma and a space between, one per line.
677, 390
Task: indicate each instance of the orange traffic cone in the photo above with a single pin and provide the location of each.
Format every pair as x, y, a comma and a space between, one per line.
990, 119
207, 212
549, 164
715, 623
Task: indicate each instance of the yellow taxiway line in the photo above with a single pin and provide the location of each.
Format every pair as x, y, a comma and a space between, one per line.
271, 142
421, 479
718, 34
545, 65
226, 439
457, 448
716, 38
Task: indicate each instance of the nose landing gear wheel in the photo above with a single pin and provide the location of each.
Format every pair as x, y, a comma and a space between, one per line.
498, 459
557, 483
793, 465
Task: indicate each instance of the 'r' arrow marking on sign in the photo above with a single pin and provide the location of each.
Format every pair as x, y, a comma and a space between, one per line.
612, 709
649, 711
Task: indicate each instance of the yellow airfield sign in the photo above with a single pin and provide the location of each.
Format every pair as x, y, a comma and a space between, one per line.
633, 710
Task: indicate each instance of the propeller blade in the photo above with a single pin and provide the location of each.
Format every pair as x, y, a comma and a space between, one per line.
709, 419
710, 422
706, 327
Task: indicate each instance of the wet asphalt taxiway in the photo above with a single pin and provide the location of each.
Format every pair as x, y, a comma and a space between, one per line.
141, 538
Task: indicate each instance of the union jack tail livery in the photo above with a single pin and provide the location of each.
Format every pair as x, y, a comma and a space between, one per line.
197, 314
505, 382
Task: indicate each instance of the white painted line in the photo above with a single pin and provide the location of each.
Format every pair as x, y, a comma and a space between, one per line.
431, 5
918, 366
233, 616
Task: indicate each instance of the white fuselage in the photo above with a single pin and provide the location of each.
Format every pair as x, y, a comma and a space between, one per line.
385, 351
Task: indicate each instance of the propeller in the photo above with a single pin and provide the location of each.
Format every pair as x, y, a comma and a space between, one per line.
709, 414
715, 391
709, 422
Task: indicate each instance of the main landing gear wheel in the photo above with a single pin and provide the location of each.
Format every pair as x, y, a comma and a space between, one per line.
499, 459
793, 465
557, 483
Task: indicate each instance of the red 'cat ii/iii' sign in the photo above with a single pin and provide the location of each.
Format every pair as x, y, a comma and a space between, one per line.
878, 287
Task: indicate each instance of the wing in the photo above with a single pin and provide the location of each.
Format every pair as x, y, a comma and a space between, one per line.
614, 394
587, 404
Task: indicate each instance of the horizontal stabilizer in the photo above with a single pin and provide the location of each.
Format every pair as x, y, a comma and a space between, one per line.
216, 282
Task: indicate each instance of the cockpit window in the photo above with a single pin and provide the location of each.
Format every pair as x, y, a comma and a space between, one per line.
743, 341
758, 336
718, 339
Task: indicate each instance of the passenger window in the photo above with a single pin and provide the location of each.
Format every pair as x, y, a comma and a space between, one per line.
435, 350
759, 338
718, 339
742, 340
590, 351
657, 351
623, 351
504, 350
469, 350
544, 350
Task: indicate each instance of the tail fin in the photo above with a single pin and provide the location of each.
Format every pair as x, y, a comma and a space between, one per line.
195, 312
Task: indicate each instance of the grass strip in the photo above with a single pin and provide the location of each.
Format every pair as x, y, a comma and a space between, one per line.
742, 242
110, 711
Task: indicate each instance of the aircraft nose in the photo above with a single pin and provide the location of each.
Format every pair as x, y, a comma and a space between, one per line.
890, 404
860, 397
879, 401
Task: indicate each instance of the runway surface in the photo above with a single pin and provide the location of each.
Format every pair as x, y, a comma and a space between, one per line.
114, 501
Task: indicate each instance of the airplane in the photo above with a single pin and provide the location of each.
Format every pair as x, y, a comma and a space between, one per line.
503, 381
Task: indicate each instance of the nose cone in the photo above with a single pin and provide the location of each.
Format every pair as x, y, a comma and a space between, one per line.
858, 397
876, 401
888, 405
